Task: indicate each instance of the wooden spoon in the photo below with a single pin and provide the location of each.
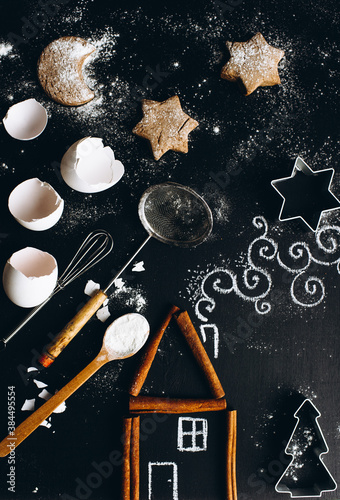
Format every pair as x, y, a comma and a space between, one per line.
122, 339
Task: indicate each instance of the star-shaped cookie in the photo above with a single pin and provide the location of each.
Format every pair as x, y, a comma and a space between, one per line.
165, 125
306, 194
252, 64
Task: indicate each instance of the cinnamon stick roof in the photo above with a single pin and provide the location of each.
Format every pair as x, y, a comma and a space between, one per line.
188, 330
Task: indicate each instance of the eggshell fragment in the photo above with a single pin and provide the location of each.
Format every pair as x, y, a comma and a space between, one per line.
32, 369
25, 120
45, 395
61, 408
39, 384
138, 267
35, 205
29, 405
91, 288
29, 277
103, 314
47, 424
89, 167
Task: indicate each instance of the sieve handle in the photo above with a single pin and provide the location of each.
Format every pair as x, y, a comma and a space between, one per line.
127, 264
59, 343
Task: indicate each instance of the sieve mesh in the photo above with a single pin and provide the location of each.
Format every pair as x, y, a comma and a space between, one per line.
175, 214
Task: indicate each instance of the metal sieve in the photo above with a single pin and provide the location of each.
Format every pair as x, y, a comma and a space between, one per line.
173, 214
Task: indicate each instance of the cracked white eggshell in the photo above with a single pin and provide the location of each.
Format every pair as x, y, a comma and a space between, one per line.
29, 277
35, 205
25, 120
89, 167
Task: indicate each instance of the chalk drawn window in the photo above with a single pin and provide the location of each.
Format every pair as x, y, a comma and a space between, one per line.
192, 434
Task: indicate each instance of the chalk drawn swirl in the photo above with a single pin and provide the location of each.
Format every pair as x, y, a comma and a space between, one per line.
254, 283
307, 291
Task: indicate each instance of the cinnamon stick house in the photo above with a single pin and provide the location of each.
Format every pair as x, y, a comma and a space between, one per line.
177, 448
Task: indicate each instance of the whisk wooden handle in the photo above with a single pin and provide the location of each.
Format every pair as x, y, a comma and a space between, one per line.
72, 328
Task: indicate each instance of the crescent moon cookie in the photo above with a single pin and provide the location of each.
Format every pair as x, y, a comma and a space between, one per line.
165, 125
60, 72
252, 64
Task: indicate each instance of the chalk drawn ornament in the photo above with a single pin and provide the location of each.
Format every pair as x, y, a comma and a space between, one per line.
300, 263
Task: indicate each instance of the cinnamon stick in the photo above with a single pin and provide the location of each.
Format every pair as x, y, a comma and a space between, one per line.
148, 404
126, 459
135, 458
231, 456
192, 338
149, 354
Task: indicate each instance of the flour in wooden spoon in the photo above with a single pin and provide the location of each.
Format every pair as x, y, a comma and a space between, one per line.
126, 335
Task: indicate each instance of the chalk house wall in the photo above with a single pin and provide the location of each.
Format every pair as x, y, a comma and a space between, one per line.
201, 474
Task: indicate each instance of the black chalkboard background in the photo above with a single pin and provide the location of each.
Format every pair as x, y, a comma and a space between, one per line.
278, 341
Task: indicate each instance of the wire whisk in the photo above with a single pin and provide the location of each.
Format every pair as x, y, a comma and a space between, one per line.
96, 246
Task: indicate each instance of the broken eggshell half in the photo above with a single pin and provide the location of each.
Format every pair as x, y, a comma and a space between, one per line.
35, 205
30, 276
89, 167
25, 120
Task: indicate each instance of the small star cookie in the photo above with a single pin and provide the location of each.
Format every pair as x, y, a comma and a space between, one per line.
165, 125
252, 63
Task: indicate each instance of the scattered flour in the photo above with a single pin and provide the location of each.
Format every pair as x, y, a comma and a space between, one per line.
338, 432
131, 297
5, 49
